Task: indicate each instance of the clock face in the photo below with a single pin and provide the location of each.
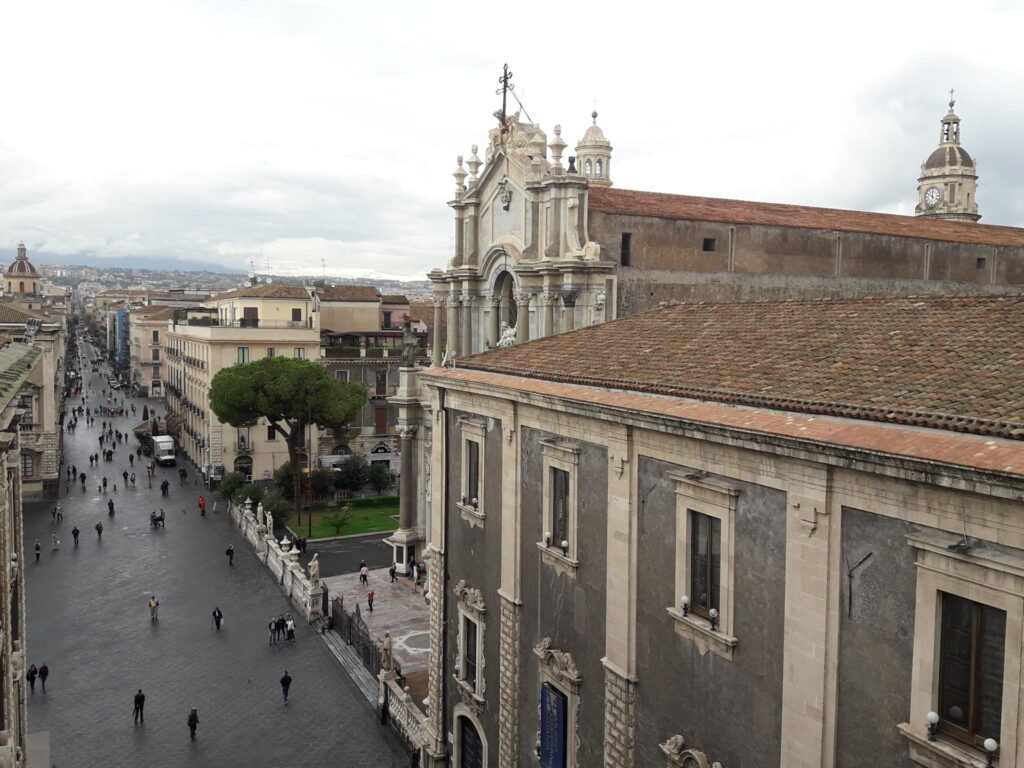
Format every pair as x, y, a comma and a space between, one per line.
932, 196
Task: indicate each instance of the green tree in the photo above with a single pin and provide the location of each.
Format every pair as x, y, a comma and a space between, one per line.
352, 473
230, 483
380, 477
321, 481
284, 480
338, 520
248, 491
291, 394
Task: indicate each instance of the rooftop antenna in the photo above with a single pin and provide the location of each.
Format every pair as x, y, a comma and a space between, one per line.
505, 81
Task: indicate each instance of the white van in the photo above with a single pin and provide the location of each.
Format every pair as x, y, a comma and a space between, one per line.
163, 450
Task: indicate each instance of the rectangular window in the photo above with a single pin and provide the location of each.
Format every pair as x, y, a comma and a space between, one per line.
156, 355
381, 382
559, 506
387, 319
708, 245
341, 375
296, 315
300, 353
26, 403
243, 439
624, 250
156, 337
271, 352
705, 562
27, 465
469, 651
250, 317
243, 355
554, 732
472, 490
971, 669
271, 433
380, 420
980, 263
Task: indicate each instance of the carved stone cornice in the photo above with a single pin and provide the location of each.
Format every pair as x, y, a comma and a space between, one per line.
523, 298
469, 597
559, 664
407, 431
680, 757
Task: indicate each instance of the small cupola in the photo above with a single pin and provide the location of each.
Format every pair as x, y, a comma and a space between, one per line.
594, 155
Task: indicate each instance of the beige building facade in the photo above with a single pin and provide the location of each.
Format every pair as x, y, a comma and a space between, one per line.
147, 326
240, 326
733, 556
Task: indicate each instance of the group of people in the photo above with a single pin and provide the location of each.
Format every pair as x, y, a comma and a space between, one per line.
139, 714
282, 627
42, 673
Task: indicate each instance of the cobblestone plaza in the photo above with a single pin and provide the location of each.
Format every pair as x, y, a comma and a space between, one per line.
88, 620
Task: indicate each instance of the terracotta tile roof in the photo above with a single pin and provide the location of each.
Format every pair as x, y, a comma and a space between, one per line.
348, 293
264, 291
981, 453
393, 298
11, 314
16, 363
629, 202
153, 313
950, 362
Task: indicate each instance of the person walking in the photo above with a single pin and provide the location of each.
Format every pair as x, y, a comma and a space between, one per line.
140, 705
364, 575
131, 459
44, 672
289, 628
74, 534
230, 552
218, 618
391, 573
193, 721
369, 601
133, 479
37, 548
54, 541
110, 507
99, 531
286, 683
202, 506
31, 677
60, 514
124, 476
154, 607
273, 631
280, 623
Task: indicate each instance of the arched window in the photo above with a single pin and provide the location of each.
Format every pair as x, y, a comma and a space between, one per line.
588, 168
21, 286
34, 285
600, 169
342, 450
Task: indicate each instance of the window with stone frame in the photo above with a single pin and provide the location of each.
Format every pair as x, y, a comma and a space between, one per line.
967, 647
472, 623
27, 465
558, 732
561, 504
471, 494
704, 555
971, 655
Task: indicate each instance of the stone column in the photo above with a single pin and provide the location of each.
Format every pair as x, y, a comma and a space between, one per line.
436, 670
406, 491
452, 331
467, 325
569, 311
523, 317
549, 314
495, 326
437, 350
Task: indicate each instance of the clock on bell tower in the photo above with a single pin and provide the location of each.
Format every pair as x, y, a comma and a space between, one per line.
948, 183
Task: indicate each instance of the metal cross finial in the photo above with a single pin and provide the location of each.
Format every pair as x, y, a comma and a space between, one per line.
951, 100
505, 81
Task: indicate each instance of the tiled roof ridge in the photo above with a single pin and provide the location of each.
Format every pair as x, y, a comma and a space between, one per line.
1014, 293
26, 312
668, 205
973, 425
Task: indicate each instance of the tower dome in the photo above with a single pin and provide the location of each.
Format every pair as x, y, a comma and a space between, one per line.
594, 155
21, 276
948, 183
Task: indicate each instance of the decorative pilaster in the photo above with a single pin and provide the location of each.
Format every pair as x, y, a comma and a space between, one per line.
619, 720
494, 328
466, 327
549, 313
435, 672
508, 675
436, 330
452, 329
569, 313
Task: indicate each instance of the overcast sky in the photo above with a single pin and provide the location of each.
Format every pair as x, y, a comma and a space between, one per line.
226, 130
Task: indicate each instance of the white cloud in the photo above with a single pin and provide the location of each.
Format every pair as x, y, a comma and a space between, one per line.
312, 130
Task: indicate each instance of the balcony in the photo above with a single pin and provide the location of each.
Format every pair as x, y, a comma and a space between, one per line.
253, 322
194, 362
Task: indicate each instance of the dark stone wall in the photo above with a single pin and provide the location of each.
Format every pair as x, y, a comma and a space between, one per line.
571, 611
668, 263
876, 640
732, 710
474, 554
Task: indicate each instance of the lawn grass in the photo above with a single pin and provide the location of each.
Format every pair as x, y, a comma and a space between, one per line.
367, 516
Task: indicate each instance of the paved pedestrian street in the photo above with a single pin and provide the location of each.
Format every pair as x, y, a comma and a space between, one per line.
89, 621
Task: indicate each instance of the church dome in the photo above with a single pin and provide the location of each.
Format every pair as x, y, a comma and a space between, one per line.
594, 134
21, 266
948, 156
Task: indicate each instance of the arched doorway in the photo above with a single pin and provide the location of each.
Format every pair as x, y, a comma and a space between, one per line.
243, 464
471, 746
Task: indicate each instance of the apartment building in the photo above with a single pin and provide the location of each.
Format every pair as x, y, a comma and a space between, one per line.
147, 326
235, 327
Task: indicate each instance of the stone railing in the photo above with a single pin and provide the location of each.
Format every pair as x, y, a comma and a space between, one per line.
403, 714
281, 558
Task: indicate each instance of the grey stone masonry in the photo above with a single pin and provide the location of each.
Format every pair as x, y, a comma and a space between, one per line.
619, 720
508, 671
435, 679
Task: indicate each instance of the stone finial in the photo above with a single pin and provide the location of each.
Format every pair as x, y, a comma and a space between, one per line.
460, 177
536, 147
474, 164
557, 146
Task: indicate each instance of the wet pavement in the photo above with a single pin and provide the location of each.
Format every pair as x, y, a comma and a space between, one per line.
88, 620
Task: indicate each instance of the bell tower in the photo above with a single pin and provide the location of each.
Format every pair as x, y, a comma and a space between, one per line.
948, 185
594, 156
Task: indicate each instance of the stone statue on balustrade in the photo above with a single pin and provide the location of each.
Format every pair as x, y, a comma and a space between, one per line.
387, 659
314, 570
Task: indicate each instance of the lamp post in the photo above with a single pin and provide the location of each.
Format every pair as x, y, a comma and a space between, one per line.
684, 603
933, 725
713, 619
991, 747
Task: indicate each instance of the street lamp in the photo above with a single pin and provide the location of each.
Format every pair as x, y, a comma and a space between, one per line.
991, 747
933, 725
